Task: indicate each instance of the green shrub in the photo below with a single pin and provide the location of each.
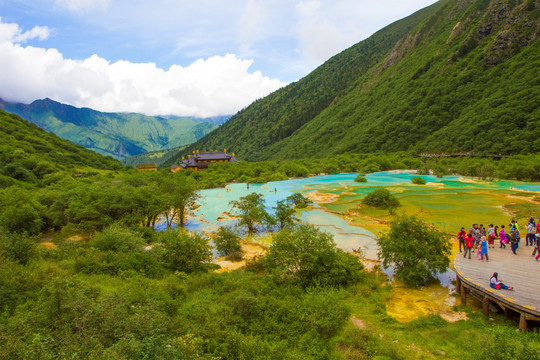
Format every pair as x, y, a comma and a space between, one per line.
310, 257
19, 247
184, 251
418, 180
381, 198
416, 250
299, 200
118, 238
360, 178
228, 243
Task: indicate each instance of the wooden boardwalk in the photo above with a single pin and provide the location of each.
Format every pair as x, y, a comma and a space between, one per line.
520, 271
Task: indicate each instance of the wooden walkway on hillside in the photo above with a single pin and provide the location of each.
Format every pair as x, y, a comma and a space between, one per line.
520, 271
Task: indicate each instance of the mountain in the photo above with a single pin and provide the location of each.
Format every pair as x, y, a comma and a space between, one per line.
29, 153
460, 75
117, 134
159, 157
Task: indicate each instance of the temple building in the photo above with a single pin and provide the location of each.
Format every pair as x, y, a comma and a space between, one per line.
200, 161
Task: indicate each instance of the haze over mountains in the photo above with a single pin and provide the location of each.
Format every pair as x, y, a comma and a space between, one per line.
117, 134
459, 75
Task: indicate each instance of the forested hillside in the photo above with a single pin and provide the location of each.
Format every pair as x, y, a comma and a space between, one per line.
117, 134
456, 76
30, 154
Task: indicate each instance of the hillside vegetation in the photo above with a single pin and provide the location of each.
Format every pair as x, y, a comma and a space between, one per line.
117, 134
159, 157
455, 76
30, 154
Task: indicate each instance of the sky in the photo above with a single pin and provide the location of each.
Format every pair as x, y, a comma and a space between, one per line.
197, 58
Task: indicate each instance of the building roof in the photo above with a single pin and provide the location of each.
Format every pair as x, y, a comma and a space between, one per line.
218, 155
201, 160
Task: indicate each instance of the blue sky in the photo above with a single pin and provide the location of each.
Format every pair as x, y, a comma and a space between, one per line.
197, 58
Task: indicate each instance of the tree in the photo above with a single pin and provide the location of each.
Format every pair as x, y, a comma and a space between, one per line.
381, 198
284, 214
118, 238
298, 200
185, 251
18, 247
310, 256
20, 212
360, 178
250, 209
182, 193
418, 180
416, 250
228, 243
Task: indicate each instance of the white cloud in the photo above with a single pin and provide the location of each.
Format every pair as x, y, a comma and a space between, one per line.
83, 5
13, 33
324, 28
214, 86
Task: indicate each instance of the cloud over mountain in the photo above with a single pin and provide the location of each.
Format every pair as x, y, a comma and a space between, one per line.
213, 86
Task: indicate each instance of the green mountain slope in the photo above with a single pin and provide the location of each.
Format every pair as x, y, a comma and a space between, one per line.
460, 75
159, 157
116, 134
29, 154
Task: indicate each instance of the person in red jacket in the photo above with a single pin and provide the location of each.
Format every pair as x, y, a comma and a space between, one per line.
469, 239
461, 238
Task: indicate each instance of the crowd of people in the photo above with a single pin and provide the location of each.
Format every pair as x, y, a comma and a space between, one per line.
480, 239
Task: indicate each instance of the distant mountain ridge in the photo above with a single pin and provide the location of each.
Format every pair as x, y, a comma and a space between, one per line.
117, 134
459, 75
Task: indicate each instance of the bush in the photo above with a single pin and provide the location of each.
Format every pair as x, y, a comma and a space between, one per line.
185, 251
418, 180
416, 250
299, 200
360, 178
381, 198
18, 247
310, 257
228, 244
118, 238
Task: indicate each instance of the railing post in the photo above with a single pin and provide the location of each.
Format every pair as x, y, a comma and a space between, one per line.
522, 323
486, 305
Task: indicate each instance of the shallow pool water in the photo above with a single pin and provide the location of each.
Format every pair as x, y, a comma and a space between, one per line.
448, 203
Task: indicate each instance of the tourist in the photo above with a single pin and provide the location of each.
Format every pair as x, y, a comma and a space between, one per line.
491, 236
496, 284
469, 240
518, 234
515, 224
483, 249
514, 240
531, 233
503, 237
461, 238
476, 234
482, 230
